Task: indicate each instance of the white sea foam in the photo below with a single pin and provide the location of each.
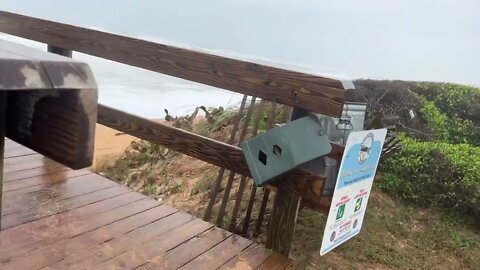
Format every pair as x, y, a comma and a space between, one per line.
144, 92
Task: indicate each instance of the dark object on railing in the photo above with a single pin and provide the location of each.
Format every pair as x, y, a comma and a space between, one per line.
51, 103
285, 147
319, 94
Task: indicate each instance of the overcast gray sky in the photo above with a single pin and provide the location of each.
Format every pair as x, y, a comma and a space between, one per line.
437, 40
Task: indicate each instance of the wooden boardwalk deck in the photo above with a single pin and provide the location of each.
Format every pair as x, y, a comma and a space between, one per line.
56, 218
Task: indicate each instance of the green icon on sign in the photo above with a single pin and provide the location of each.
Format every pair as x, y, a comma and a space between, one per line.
340, 212
358, 204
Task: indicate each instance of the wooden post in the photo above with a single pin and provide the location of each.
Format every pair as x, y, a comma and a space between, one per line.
3, 104
284, 213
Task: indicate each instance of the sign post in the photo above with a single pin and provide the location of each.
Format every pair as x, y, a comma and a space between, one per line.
353, 186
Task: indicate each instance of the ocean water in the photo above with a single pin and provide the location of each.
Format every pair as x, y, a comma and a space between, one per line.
146, 93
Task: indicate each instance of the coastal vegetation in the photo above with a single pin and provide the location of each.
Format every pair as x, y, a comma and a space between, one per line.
424, 212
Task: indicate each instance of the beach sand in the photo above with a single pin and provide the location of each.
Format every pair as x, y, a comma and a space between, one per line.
109, 145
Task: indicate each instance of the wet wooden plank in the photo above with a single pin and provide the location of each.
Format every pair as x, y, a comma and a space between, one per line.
219, 255
313, 92
277, 261
133, 240
189, 250
85, 225
52, 167
154, 249
38, 189
65, 230
37, 196
55, 252
43, 180
43, 183
48, 230
53, 208
25, 163
250, 258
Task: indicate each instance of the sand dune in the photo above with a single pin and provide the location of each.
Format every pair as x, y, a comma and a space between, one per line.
109, 145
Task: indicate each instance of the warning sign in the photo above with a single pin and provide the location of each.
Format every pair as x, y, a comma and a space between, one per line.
354, 183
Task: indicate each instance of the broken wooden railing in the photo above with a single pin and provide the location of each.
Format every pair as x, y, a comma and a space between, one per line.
302, 91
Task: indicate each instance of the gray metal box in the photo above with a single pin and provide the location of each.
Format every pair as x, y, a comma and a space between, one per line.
283, 148
338, 130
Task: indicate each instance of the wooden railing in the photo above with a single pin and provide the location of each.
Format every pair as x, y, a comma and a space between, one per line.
302, 91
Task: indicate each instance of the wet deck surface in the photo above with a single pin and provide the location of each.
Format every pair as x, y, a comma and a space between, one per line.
56, 218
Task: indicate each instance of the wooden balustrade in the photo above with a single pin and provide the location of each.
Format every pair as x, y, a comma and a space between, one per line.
303, 91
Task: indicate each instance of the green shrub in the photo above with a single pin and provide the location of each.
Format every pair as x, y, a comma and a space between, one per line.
464, 131
459, 104
461, 101
435, 173
265, 116
451, 130
437, 121
446, 112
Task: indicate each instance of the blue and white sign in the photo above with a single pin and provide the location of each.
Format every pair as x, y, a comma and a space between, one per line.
352, 190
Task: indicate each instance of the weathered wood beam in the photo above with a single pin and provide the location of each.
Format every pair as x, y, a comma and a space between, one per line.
303, 183
214, 152
281, 231
63, 125
52, 108
314, 93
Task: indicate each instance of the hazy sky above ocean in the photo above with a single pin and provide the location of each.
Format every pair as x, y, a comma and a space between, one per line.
435, 40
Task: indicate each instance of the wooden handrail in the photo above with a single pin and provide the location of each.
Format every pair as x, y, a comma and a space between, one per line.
302, 91
314, 93
301, 182
214, 152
